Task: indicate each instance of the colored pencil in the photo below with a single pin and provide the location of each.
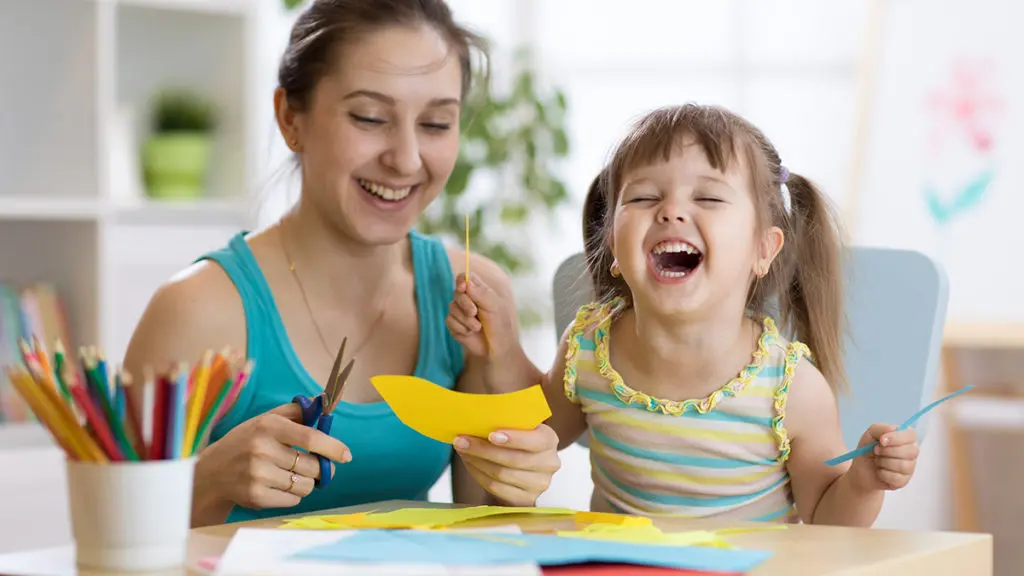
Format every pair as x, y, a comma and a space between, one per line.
58, 371
67, 418
161, 423
98, 413
225, 389
32, 396
196, 404
128, 396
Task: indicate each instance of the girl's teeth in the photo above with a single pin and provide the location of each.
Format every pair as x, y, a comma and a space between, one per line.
669, 274
674, 247
385, 193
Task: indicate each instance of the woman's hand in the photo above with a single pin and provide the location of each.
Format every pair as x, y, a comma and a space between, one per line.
480, 320
256, 465
516, 466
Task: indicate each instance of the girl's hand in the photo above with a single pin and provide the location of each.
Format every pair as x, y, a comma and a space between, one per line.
479, 320
516, 466
891, 465
256, 465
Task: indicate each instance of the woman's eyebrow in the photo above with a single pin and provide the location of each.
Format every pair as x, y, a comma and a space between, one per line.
384, 98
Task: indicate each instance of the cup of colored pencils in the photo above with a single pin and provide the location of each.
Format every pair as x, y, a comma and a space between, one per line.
130, 447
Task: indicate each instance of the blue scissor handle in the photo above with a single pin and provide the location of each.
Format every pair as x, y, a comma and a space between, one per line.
313, 416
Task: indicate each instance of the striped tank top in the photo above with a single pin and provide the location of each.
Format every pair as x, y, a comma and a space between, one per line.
721, 456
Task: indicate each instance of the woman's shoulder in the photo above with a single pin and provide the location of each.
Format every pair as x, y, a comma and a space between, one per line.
195, 310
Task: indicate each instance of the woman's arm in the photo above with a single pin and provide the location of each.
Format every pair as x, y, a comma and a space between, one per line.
195, 311
252, 465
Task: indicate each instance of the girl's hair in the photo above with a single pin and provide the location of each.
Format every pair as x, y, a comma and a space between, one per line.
325, 27
805, 278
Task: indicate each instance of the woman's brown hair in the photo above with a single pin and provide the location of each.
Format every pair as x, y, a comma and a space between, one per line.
805, 278
326, 26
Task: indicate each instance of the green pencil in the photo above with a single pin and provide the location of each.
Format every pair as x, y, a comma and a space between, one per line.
58, 371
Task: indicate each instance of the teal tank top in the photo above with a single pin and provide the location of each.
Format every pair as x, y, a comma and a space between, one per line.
389, 460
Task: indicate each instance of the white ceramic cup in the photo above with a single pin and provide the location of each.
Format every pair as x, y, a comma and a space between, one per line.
130, 516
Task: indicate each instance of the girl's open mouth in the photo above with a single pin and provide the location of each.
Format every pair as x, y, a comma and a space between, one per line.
675, 259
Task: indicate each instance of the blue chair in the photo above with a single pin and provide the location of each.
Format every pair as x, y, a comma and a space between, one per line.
896, 307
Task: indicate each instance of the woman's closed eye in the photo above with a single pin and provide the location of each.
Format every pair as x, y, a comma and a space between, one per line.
437, 126
366, 119
713, 199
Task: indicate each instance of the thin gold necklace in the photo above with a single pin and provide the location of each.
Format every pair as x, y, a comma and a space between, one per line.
331, 353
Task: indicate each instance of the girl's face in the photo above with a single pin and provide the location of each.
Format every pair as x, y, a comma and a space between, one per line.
684, 234
381, 133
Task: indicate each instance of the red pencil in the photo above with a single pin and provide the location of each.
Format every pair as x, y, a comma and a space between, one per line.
96, 422
159, 441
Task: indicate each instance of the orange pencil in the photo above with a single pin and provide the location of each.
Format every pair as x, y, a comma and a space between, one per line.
29, 392
80, 441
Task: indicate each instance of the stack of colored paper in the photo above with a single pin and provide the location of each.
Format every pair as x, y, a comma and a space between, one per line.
460, 548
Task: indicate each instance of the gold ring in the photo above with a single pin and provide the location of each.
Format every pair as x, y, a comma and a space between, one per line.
291, 484
295, 462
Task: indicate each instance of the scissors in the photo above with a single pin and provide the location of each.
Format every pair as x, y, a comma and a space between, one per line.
316, 411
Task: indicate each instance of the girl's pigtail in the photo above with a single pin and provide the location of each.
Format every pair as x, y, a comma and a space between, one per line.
813, 300
596, 222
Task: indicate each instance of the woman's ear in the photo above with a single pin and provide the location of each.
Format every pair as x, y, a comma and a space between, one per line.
768, 249
287, 120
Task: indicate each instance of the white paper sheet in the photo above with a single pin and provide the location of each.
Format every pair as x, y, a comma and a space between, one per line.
266, 552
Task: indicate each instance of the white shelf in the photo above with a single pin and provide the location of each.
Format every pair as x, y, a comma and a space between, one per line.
204, 212
236, 7
48, 208
236, 213
73, 128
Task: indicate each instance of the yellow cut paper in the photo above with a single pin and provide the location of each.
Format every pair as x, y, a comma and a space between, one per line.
423, 518
612, 518
328, 522
647, 535
443, 414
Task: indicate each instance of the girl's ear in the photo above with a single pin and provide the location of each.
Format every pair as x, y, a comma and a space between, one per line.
768, 249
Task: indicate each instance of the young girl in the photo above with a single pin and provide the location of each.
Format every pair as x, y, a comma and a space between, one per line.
696, 401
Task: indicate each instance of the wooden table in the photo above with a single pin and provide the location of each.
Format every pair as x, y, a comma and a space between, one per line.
799, 549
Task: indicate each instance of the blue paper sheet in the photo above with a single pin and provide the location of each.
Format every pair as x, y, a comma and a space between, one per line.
910, 422
431, 547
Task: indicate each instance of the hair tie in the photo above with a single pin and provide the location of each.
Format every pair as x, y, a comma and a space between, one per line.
787, 202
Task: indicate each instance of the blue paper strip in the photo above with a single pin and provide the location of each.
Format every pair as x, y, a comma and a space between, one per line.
430, 547
910, 422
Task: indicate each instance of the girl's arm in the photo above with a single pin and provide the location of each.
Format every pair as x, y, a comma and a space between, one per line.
567, 417
824, 494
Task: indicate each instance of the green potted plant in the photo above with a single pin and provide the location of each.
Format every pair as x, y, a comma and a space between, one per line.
176, 157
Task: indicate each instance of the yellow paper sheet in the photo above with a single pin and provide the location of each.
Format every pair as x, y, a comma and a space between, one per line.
647, 535
612, 518
423, 518
443, 414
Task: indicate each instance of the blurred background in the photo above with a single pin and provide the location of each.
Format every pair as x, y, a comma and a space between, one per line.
137, 134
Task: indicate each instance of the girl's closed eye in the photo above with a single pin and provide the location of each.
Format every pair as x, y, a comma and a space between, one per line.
639, 199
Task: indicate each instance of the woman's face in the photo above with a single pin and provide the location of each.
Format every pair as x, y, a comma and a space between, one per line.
380, 135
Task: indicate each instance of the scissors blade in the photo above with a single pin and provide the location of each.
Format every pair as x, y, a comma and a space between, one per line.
334, 396
337, 364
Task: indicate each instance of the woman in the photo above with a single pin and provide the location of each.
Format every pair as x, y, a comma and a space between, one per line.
369, 100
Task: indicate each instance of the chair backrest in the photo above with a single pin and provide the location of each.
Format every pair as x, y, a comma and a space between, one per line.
896, 304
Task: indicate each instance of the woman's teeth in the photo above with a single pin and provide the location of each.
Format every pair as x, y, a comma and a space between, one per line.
384, 192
